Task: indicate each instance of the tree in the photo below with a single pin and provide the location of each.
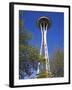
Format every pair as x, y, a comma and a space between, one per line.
28, 55
57, 63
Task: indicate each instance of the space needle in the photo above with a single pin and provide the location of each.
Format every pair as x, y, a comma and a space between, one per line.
44, 24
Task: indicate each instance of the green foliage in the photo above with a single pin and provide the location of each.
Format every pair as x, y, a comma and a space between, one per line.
28, 55
24, 35
45, 74
25, 50
57, 63
21, 23
25, 65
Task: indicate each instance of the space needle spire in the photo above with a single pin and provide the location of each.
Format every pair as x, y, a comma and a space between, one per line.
44, 24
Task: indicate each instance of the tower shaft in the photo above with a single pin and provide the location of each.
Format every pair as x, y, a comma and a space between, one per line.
44, 47
44, 66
